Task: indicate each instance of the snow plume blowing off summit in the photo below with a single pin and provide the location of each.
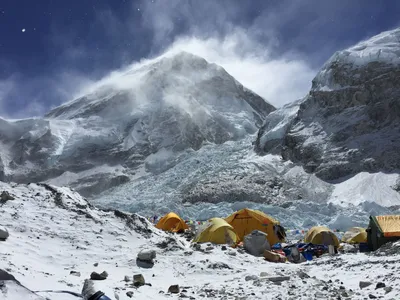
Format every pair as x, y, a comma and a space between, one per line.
273, 77
175, 102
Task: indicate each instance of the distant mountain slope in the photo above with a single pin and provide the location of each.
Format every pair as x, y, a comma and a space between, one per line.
172, 103
350, 121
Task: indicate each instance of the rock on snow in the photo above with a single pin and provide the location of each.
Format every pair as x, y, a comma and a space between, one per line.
54, 231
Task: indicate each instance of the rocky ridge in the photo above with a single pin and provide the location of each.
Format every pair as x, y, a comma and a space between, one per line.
350, 120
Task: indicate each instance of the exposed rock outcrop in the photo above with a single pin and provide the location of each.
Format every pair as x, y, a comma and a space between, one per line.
350, 121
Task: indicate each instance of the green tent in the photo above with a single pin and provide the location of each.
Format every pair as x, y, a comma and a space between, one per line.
382, 229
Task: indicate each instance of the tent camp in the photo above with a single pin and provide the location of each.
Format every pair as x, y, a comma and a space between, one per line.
355, 235
247, 220
382, 229
217, 231
172, 222
322, 236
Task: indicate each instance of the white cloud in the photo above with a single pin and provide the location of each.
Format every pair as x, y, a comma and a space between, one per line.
248, 55
279, 80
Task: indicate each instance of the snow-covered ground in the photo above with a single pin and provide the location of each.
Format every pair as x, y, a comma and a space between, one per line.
366, 187
54, 231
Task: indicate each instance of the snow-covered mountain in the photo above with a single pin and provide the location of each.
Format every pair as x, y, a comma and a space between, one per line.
164, 106
179, 133
350, 120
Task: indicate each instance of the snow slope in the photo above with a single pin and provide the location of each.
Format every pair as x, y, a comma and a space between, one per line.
365, 187
54, 231
382, 48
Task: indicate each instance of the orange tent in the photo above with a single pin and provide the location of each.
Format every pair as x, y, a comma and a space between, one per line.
246, 220
172, 222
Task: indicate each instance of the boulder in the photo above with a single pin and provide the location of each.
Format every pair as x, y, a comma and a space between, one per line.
278, 278
5, 196
145, 259
97, 276
6, 276
146, 255
174, 289
138, 280
3, 234
364, 284
302, 274
129, 294
251, 277
75, 273
127, 278
388, 289
380, 285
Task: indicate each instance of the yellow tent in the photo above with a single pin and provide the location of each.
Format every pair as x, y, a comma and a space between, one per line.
382, 229
322, 236
216, 231
172, 222
246, 220
355, 235
390, 225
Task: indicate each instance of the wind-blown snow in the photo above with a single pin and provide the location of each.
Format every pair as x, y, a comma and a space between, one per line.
382, 48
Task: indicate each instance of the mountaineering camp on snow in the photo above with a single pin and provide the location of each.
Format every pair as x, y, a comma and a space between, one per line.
256, 201
246, 254
261, 235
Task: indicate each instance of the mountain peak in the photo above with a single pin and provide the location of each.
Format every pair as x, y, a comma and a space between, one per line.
382, 50
174, 103
175, 77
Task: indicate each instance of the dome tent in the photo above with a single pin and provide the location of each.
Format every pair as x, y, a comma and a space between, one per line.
322, 236
172, 222
247, 220
217, 231
355, 235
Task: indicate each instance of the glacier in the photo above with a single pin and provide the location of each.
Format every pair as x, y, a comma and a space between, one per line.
179, 133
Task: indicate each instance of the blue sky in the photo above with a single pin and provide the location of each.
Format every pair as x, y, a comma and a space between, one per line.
51, 49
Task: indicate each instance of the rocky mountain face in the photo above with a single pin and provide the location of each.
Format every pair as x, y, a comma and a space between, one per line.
350, 120
172, 103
